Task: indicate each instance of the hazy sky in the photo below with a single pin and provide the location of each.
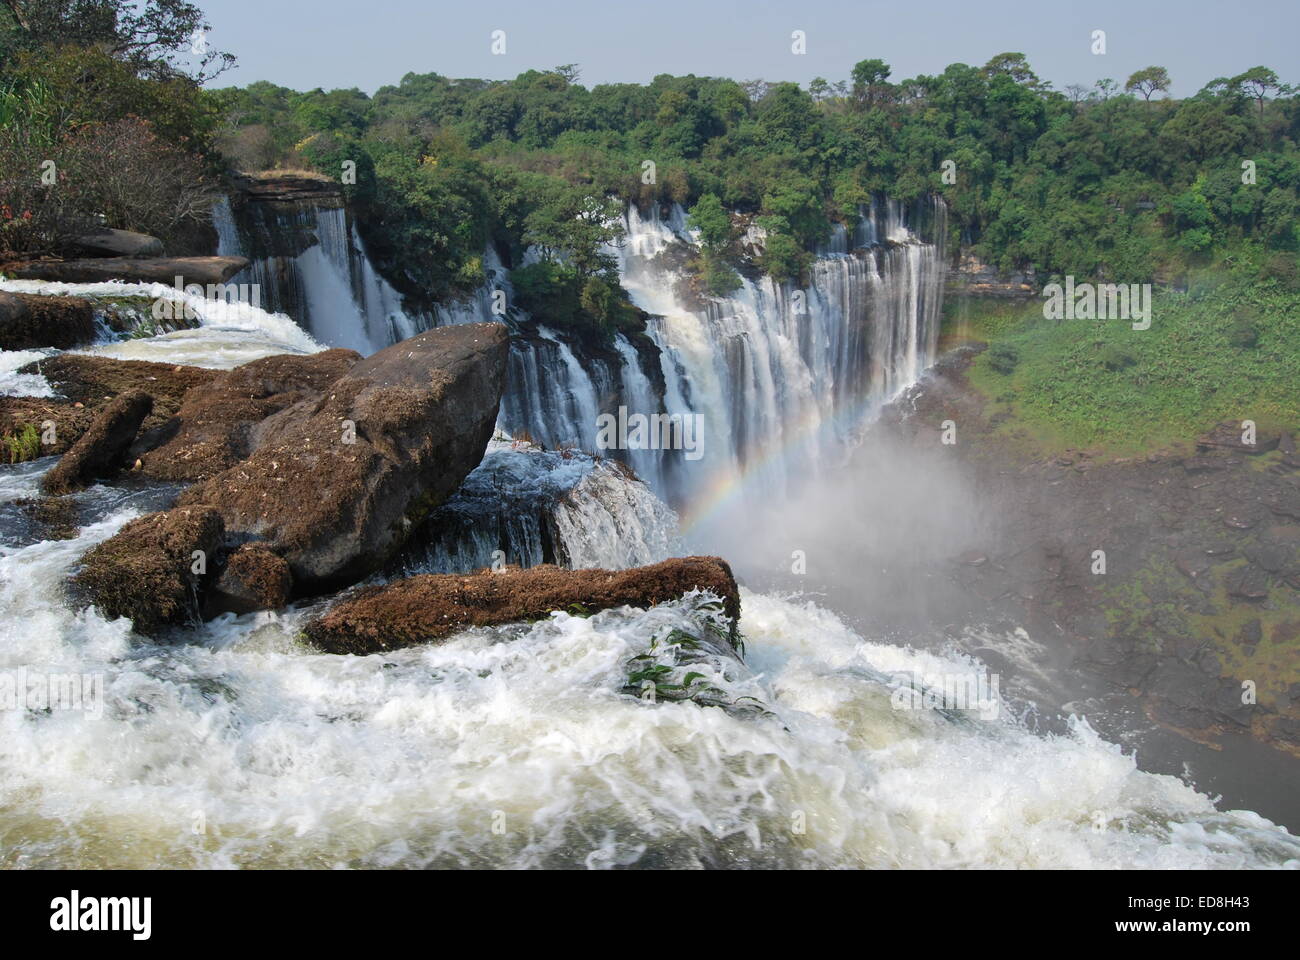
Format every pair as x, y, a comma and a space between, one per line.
370, 43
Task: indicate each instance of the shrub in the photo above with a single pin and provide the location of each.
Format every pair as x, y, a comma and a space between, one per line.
1003, 358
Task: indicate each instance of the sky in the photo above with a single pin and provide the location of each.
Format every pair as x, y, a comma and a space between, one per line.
367, 44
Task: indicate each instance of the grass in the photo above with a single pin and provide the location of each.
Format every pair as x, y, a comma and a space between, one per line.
22, 445
1104, 385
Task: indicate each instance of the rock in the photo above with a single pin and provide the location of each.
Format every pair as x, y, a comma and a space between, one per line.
1192, 564
335, 484
430, 606
101, 450
200, 270
1251, 633
93, 380
147, 570
86, 384
28, 321
286, 187
254, 578
215, 427
1248, 583
116, 243
1286, 443
1272, 557
973, 558
54, 518
1228, 435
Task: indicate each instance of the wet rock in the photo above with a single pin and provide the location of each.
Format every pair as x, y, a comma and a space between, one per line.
1230, 434
335, 485
99, 452
428, 607
28, 321
254, 578
200, 270
1240, 519
1251, 633
1248, 583
1192, 564
116, 243
53, 518
1272, 557
216, 425
151, 571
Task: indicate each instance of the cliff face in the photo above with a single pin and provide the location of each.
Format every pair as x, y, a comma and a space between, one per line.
972, 277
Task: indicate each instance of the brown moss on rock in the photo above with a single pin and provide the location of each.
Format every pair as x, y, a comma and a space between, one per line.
85, 384
99, 452
430, 606
254, 578
55, 518
147, 570
218, 422
30, 321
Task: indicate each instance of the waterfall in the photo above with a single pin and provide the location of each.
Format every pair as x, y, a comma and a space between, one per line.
525, 506
308, 261
783, 376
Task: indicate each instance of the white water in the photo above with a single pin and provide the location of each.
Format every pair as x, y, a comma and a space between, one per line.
538, 506
229, 333
239, 747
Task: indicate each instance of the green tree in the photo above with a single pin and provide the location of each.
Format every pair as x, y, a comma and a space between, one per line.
1148, 81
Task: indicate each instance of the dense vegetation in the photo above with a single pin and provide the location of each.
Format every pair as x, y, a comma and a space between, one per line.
101, 123
1089, 183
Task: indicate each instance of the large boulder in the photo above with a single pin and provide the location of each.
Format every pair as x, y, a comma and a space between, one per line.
430, 606
335, 484
152, 570
28, 321
99, 452
116, 243
200, 270
217, 424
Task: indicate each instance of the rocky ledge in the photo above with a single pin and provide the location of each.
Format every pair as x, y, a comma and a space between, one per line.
425, 608
200, 270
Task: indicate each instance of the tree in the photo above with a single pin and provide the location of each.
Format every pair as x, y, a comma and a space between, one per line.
870, 81
1256, 83
1106, 88
158, 37
1148, 81
1016, 66
712, 220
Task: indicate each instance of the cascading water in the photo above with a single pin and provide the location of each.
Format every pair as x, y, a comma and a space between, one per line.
308, 261
781, 377
524, 506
